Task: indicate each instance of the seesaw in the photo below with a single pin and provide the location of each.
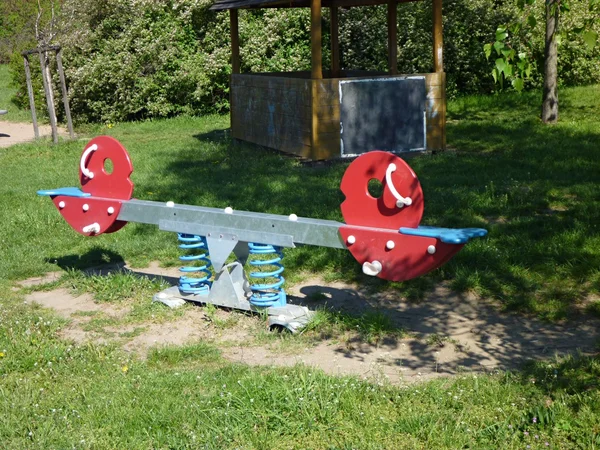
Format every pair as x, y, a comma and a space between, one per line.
383, 234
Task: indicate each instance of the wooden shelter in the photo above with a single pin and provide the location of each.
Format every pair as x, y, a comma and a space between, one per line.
325, 114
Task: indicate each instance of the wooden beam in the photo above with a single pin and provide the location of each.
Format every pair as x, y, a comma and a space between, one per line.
257, 4
46, 48
235, 41
335, 43
315, 40
47, 79
392, 23
438, 41
36, 131
65, 97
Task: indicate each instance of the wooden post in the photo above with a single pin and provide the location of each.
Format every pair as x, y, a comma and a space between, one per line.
63, 86
31, 97
335, 43
438, 127
315, 40
48, 90
235, 41
438, 42
392, 23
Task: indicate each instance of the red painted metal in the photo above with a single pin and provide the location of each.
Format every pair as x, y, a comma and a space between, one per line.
360, 208
373, 222
408, 259
108, 185
97, 212
108, 190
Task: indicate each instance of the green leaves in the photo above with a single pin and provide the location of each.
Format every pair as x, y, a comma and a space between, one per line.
590, 37
501, 34
487, 49
523, 3
518, 84
515, 65
509, 65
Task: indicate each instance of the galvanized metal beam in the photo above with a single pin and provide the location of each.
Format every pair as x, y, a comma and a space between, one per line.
247, 226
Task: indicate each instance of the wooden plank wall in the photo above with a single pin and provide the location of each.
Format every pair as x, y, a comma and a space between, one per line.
326, 119
282, 112
272, 111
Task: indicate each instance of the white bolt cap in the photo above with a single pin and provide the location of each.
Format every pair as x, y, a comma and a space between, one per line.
229, 210
293, 217
86, 207
351, 239
390, 245
170, 204
431, 249
61, 205
110, 210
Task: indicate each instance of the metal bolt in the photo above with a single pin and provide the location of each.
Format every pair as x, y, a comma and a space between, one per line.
390, 245
351, 239
110, 210
86, 207
61, 205
431, 249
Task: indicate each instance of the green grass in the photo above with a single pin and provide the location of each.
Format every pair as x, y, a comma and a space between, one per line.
6, 94
58, 395
534, 187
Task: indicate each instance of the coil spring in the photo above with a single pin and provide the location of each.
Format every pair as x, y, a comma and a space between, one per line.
198, 285
267, 294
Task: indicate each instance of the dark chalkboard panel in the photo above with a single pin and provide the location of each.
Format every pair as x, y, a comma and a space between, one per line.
382, 114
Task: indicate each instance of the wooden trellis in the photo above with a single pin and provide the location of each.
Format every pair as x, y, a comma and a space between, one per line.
47, 80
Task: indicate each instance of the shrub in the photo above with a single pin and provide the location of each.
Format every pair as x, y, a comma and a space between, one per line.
136, 59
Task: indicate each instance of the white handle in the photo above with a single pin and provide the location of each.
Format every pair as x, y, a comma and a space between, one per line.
84, 170
92, 228
400, 201
373, 269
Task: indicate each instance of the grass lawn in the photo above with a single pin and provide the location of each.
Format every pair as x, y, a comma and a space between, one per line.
535, 188
57, 395
6, 93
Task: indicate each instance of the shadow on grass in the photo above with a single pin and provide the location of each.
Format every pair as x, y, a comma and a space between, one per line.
533, 187
94, 257
454, 331
102, 262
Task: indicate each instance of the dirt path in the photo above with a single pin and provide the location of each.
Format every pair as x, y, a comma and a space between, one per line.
450, 333
17, 132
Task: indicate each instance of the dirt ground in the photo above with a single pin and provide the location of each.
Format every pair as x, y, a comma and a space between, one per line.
15, 132
450, 333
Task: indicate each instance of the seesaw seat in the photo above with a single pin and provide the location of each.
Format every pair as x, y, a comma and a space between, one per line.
446, 235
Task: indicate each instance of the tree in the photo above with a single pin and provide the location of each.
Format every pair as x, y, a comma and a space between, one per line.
515, 62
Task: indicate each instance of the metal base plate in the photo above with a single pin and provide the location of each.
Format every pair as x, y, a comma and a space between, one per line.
290, 317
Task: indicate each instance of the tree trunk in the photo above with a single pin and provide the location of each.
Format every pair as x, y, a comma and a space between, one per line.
550, 99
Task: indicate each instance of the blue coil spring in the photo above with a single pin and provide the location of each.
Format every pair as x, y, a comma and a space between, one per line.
198, 253
267, 294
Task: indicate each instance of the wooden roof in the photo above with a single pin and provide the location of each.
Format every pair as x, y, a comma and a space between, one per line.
257, 4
